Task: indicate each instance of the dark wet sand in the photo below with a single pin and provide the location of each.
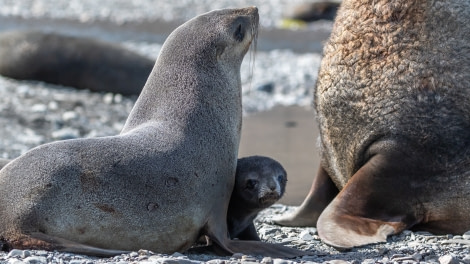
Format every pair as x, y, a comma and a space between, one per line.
289, 135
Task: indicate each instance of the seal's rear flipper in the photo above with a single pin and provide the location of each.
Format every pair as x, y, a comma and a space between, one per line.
65, 245
321, 193
376, 202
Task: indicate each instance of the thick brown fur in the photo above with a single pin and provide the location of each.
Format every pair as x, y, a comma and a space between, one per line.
166, 178
393, 105
79, 62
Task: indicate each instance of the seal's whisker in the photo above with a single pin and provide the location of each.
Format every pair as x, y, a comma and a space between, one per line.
253, 47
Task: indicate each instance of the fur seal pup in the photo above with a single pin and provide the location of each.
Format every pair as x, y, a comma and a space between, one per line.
259, 183
166, 178
393, 105
79, 62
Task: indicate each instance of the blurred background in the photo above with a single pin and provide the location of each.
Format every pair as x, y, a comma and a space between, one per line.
278, 77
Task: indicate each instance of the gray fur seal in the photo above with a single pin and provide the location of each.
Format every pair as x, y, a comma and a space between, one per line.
393, 105
79, 62
166, 178
259, 183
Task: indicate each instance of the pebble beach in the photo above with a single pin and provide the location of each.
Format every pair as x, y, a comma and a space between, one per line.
280, 73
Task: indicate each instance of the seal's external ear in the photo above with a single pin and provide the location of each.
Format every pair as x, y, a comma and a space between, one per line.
376, 202
239, 27
239, 34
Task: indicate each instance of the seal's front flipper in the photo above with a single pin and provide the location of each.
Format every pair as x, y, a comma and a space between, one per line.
321, 193
222, 244
65, 245
257, 248
249, 233
376, 202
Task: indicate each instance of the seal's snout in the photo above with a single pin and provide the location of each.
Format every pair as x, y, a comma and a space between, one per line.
251, 10
254, 11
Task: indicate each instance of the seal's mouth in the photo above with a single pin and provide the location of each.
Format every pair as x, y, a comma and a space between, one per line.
269, 199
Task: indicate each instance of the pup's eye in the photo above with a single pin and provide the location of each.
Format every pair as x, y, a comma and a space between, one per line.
239, 33
251, 184
280, 178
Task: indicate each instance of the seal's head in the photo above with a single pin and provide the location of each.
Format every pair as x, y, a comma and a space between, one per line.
227, 33
260, 181
199, 63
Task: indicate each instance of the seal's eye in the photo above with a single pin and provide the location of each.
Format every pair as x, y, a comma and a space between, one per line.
239, 33
280, 178
251, 184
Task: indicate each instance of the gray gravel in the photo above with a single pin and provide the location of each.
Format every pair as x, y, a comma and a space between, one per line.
408, 247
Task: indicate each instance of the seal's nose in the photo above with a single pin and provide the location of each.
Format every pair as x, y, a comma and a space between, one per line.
251, 10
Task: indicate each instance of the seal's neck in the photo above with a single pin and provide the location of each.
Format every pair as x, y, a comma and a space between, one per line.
183, 95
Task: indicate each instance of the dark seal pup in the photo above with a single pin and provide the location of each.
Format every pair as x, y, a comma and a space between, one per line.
79, 62
259, 183
166, 178
393, 104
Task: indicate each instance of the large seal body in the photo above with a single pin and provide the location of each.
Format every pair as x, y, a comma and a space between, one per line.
166, 179
393, 105
83, 63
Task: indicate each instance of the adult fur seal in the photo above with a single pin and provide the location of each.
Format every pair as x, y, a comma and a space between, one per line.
166, 178
79, 62
393, 104
259, 183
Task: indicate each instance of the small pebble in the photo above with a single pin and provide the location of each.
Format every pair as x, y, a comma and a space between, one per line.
267, 260
108, 98
248, 258
448, 259
117, 98
216, 261
35, 260
15, 261
39, 108
66, 133
338, 261
69, 115
305, 235
466, 235
78, 261
281, 261
53, 105
368, 261
16, 253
